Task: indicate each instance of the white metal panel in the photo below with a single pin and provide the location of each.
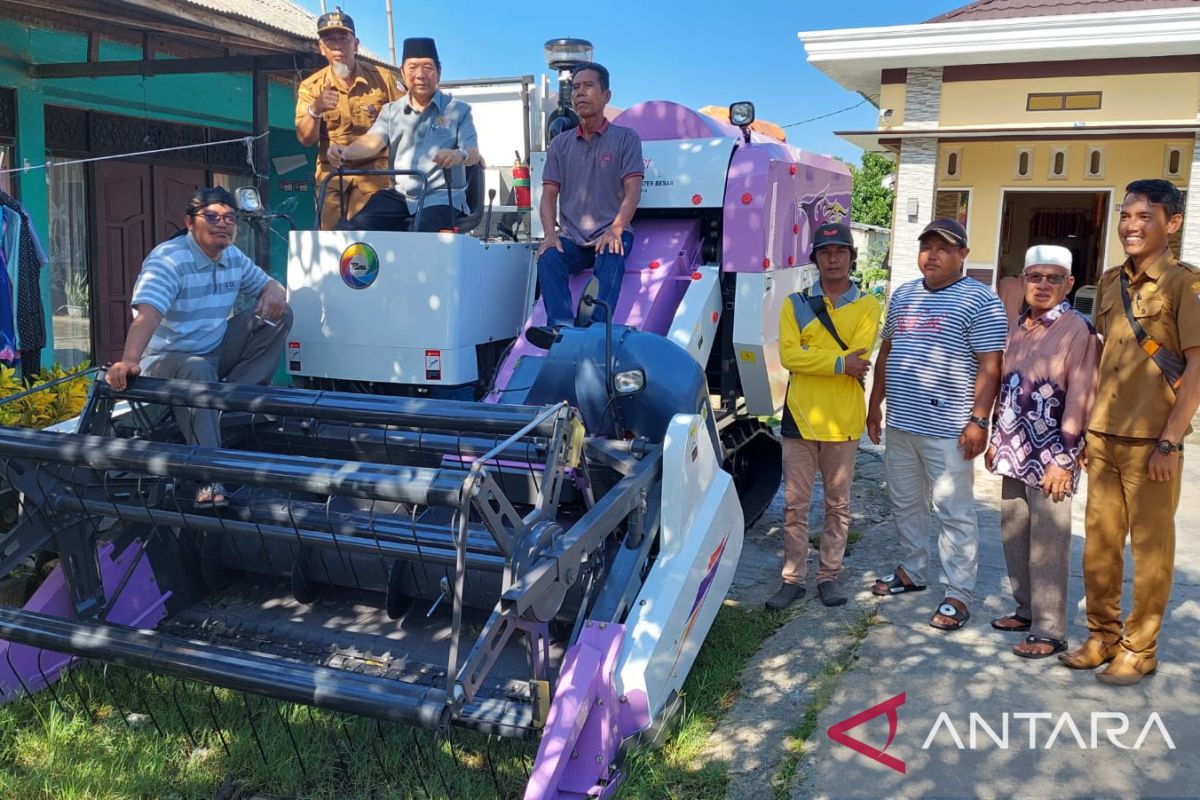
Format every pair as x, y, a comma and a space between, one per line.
537, 166
702, 532
685, 173
760, 297
699, 314
500, 116
438, 292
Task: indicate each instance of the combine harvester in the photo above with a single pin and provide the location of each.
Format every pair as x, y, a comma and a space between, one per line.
541, 561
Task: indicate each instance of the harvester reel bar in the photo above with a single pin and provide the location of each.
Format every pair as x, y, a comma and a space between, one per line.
417, 486
334, 689
405, 412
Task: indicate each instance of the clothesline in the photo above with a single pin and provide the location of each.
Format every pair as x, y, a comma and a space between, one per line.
247, 140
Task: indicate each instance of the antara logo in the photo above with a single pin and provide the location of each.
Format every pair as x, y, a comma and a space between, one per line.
1101, 727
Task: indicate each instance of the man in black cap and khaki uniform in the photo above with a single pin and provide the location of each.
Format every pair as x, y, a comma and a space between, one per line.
428, 132
338, 104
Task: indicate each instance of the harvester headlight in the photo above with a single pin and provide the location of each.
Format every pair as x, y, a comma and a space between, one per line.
630, 381
248, 200
741, 114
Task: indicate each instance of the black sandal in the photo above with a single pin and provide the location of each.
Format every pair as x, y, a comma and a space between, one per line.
1021, 626
896, 583
1056, 646
952, 609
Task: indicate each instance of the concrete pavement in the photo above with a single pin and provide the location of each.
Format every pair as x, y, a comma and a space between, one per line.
971, 672
963, 677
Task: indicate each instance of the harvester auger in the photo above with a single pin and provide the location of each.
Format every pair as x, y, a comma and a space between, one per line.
515, 565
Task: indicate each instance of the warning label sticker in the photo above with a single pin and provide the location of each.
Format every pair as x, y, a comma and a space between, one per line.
293, 356
433, 365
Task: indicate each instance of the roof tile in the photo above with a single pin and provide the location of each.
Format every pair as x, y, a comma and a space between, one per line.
1007, 9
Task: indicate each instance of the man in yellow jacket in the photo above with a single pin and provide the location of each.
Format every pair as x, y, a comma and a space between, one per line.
826, 334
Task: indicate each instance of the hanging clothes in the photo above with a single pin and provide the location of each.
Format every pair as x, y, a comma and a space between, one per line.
30, 316
9, 226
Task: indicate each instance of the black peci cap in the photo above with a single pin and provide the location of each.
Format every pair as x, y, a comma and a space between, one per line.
419, 47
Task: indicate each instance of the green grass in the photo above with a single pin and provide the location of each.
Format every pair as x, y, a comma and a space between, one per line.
823, 688
86, 749
105, 741
678, 771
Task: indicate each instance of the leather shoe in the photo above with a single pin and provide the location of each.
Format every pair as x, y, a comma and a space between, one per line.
1091, 654
787, 594
542, 336
1127, 669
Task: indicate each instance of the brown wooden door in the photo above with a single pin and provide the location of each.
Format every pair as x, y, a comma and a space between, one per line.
124, 235
172, 188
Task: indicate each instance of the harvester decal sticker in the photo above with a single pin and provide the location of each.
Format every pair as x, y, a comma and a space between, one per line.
433, 365
714, 561
359, 265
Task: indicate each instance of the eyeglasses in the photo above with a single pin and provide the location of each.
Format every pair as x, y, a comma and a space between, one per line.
213, 218
1038, 277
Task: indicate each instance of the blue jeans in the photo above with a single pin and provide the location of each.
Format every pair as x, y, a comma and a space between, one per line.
554, 268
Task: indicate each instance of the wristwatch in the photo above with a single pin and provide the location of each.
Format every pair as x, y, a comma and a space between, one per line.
1166, 447
980, 421
462, 151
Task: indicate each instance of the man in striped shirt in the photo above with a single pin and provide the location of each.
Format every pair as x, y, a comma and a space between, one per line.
183, 300
939, 369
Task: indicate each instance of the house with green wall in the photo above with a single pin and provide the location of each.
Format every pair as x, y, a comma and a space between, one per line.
113, 111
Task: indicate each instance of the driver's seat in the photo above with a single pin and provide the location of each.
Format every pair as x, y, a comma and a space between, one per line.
469, 221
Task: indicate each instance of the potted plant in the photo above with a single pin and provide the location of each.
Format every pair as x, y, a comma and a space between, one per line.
77, 293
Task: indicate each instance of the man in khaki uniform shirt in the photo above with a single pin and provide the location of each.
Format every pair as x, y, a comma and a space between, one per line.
1134, 441
336, 105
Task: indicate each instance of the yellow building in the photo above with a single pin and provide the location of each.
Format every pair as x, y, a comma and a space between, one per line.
1026, 120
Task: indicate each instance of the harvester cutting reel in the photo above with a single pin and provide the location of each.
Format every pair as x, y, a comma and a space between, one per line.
423, 561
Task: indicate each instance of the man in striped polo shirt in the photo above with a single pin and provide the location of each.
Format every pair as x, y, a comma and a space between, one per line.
939, 369
182, 327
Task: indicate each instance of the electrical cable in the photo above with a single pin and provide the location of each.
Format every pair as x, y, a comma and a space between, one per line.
823, 116
247, 140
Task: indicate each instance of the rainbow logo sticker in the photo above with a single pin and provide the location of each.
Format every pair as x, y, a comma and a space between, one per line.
359, 265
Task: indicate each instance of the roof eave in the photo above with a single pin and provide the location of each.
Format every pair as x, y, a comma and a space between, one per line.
854, 57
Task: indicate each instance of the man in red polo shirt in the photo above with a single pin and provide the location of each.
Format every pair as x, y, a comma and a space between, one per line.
590, 190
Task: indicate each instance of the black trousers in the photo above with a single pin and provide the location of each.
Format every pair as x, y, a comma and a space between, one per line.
388, 211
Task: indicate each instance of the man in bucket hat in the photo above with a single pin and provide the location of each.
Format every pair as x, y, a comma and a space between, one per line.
939, 369
825, 338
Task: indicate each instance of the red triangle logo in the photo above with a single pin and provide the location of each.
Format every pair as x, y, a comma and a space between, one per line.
838, 732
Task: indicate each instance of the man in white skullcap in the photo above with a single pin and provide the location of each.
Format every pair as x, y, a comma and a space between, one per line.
1047, 385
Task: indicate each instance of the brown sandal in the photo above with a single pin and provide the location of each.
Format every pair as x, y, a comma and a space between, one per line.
1013, 623
951, 615
1039, 647
211, 495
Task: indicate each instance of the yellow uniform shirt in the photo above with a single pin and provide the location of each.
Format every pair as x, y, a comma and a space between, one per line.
370, 89
823, 403
1133, 398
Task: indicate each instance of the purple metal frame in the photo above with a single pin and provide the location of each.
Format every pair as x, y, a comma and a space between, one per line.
141, 605
657, 269
588, 721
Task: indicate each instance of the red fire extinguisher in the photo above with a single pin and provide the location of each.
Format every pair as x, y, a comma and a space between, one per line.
520, 174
